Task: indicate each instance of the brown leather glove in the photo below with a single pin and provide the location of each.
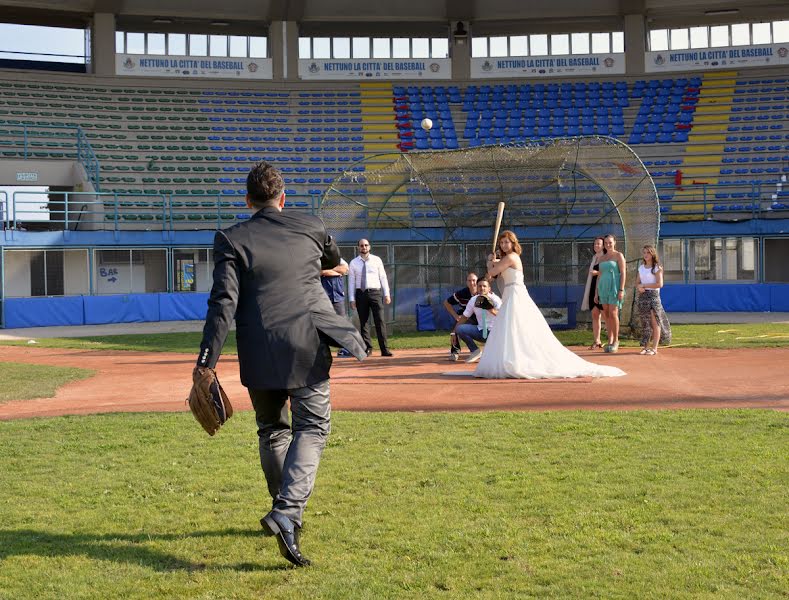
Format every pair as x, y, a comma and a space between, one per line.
207, 400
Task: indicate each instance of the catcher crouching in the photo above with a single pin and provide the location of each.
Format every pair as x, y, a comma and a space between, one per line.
267, 276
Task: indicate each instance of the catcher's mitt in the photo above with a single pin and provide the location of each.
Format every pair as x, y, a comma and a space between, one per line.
484, 303
208, 401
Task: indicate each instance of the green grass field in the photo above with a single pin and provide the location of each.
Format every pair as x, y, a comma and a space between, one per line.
682, 504
761, 335
20, 381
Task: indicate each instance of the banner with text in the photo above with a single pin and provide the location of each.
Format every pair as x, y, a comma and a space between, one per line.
376, 68
549, 66
193, 66
717, 58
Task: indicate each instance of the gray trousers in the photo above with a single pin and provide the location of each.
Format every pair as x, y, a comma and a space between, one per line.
290, 455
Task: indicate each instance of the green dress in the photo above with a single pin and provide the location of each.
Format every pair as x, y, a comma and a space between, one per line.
608, 283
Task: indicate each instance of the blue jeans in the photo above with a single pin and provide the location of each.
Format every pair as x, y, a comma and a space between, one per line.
468, 333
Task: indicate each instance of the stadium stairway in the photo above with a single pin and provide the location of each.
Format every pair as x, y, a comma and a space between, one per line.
378, 133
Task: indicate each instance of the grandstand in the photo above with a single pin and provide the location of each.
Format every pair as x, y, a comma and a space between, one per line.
141, 168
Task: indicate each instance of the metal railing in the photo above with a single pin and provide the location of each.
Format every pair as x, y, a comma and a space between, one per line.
170, 211
88, 211
71, 142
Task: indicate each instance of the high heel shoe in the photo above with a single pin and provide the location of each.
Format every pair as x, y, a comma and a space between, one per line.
595, 346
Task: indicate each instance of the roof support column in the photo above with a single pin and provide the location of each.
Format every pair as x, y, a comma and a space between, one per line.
102, 44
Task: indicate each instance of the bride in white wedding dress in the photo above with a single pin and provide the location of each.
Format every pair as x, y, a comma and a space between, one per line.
522, 345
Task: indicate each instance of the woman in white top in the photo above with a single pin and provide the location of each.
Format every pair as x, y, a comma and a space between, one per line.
522, 345
654, 323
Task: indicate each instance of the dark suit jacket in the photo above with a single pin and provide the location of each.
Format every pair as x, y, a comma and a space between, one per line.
267, 276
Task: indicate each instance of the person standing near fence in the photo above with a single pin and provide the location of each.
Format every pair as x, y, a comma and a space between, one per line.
369, 285
654, 322
590, 291
334, 286
611, 290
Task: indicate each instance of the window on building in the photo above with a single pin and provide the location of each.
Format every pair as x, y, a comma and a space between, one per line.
439, 48
519, 45
198, 45
679, 39
618, 42
672, 257
382, 48
780, 32
719, 36
560, 44
538, 44
341, 47
723, 259
135, 43
305, 47
156, 43
238, 46
479, 47
601, 43
217, 45
658, 40
401, 48
176, 44
498, 46
420, 47
699, 37
580, 43
192, 269
740, 34
258, 47
321, 47
361, 47
761, 34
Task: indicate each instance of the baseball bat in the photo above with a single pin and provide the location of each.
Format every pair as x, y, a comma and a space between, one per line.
499, 215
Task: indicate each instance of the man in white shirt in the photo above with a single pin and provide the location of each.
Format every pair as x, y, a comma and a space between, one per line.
486, 317
370, 288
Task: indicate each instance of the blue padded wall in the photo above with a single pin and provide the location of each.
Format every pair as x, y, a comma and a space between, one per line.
779, 297
44, 312
183, 307
128, 308
725, 297
679, 297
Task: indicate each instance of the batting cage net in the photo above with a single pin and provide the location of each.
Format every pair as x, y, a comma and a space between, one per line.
435, 211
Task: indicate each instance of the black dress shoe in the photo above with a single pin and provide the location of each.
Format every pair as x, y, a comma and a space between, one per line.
369, 351
287, 534
386, 353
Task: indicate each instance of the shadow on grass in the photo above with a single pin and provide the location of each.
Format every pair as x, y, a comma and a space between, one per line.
121, 547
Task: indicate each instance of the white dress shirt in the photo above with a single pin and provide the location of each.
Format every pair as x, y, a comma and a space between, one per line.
376, 275
489, 318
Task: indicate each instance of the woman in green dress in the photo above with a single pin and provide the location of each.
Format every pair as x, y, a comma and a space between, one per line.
611, 290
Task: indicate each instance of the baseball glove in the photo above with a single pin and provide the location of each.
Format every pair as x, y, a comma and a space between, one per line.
484, 303
208, 401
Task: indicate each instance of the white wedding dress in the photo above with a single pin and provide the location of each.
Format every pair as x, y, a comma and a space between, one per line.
521, 345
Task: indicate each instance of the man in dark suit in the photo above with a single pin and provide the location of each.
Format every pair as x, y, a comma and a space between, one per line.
267, 276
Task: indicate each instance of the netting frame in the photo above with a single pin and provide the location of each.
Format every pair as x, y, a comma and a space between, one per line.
370, 188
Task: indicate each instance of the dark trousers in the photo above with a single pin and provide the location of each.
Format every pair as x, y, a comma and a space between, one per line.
289, 454
339, 308
371, 301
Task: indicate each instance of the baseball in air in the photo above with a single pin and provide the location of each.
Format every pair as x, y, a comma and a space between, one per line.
427, 124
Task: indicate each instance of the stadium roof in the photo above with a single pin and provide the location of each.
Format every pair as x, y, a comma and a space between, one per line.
336, 15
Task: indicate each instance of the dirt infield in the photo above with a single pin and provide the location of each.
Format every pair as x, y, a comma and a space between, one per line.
415, 380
